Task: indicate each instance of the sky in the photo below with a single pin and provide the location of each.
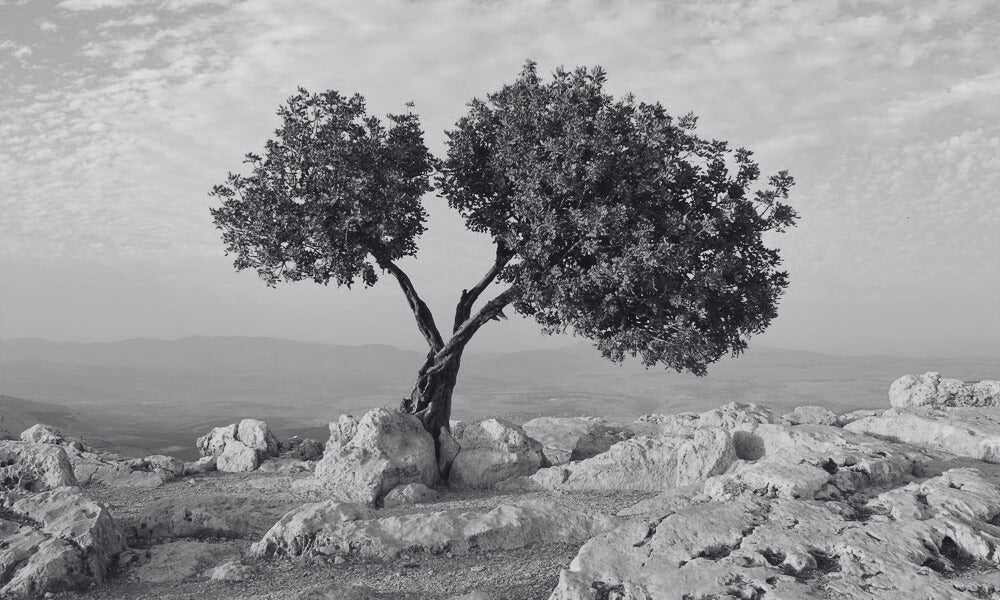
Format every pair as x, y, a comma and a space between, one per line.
118, 116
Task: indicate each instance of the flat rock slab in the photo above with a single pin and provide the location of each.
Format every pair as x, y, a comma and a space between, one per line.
206, 516
936, 539
181, 561
338, 529
54, 541
971, 432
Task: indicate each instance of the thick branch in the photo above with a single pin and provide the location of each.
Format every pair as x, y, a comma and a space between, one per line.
469, 297
467, 329
425, 320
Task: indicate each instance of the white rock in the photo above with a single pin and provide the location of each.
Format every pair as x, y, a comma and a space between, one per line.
181, 561
26, 467
237, 457
752, 547
336, 529
158, 463
565, 439
231, 570
972, 432
205, 464
410, 493
214, 442
854, 415
645, 464
932, 389
388, 448
810, 415
68, 545
43, 434
255, 434
492, 451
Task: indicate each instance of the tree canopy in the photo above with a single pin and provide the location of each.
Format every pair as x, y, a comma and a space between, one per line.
611, 219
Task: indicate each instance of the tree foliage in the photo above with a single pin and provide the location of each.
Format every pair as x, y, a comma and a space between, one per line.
621, 224
335, 190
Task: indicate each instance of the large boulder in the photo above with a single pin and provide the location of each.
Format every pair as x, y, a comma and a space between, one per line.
492, 451
644, 464
811, 415
930, 389
27, 467
971, 432
239, 447
101, 468
331, 529
43, 434
565, 439
384, 449
54, 541
931, 540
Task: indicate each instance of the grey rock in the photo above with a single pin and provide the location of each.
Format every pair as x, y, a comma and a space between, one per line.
408, 494
26, 467
566, 439
930, 389
964, 431
492, 451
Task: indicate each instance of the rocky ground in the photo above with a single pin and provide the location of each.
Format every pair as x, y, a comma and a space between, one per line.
735, 502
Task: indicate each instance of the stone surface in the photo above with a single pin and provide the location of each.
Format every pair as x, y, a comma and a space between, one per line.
972, 432
205, 516
386, 448
239, 447
181, 561
232, 570
26, 467
101, 468
753, 547
286, 465
410, 493
333, 528
855, 415
803, 461
645, 464
60, 540
810, 415
158, 463
930, 389
43, 434
302, 449
565, 439
491, 451
205, 464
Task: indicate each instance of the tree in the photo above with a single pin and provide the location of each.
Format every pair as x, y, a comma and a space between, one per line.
611, 220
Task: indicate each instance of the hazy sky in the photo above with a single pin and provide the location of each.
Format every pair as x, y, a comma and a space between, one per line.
119, 115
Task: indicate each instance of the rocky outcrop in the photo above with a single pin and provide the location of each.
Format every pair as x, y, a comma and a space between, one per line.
930, 389
731, 417
406, 495
566, 439
302, 449
492, 451
27, 467
99, 468
205, 516
54, 541
971, 432
331, 529
180, 561
925, 540
811, 415
644, 464
365, 459
43, 434
239, 447
205, 464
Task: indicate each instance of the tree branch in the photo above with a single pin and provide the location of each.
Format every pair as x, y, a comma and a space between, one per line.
467, 329
469, 297
425, 320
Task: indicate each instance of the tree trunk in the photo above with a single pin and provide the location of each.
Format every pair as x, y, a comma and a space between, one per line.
430, 400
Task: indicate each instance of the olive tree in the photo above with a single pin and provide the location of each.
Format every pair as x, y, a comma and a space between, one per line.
610, 219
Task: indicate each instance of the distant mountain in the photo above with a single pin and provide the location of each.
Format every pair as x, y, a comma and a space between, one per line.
164, 393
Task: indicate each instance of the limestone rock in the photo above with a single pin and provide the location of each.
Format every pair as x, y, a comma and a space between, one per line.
112, 470
43, 434
388, 448
734, 416
231, 570
491, 451
286, 465
753, 547
27, 467
410, 493
237, 457
646, 463
930, 389
337, 529
158, 463
342, 431
810, 415
302, 449
206, 516
205, 464
855, 415
972, 432
181, 561
239, 447
565, 439
62, 541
